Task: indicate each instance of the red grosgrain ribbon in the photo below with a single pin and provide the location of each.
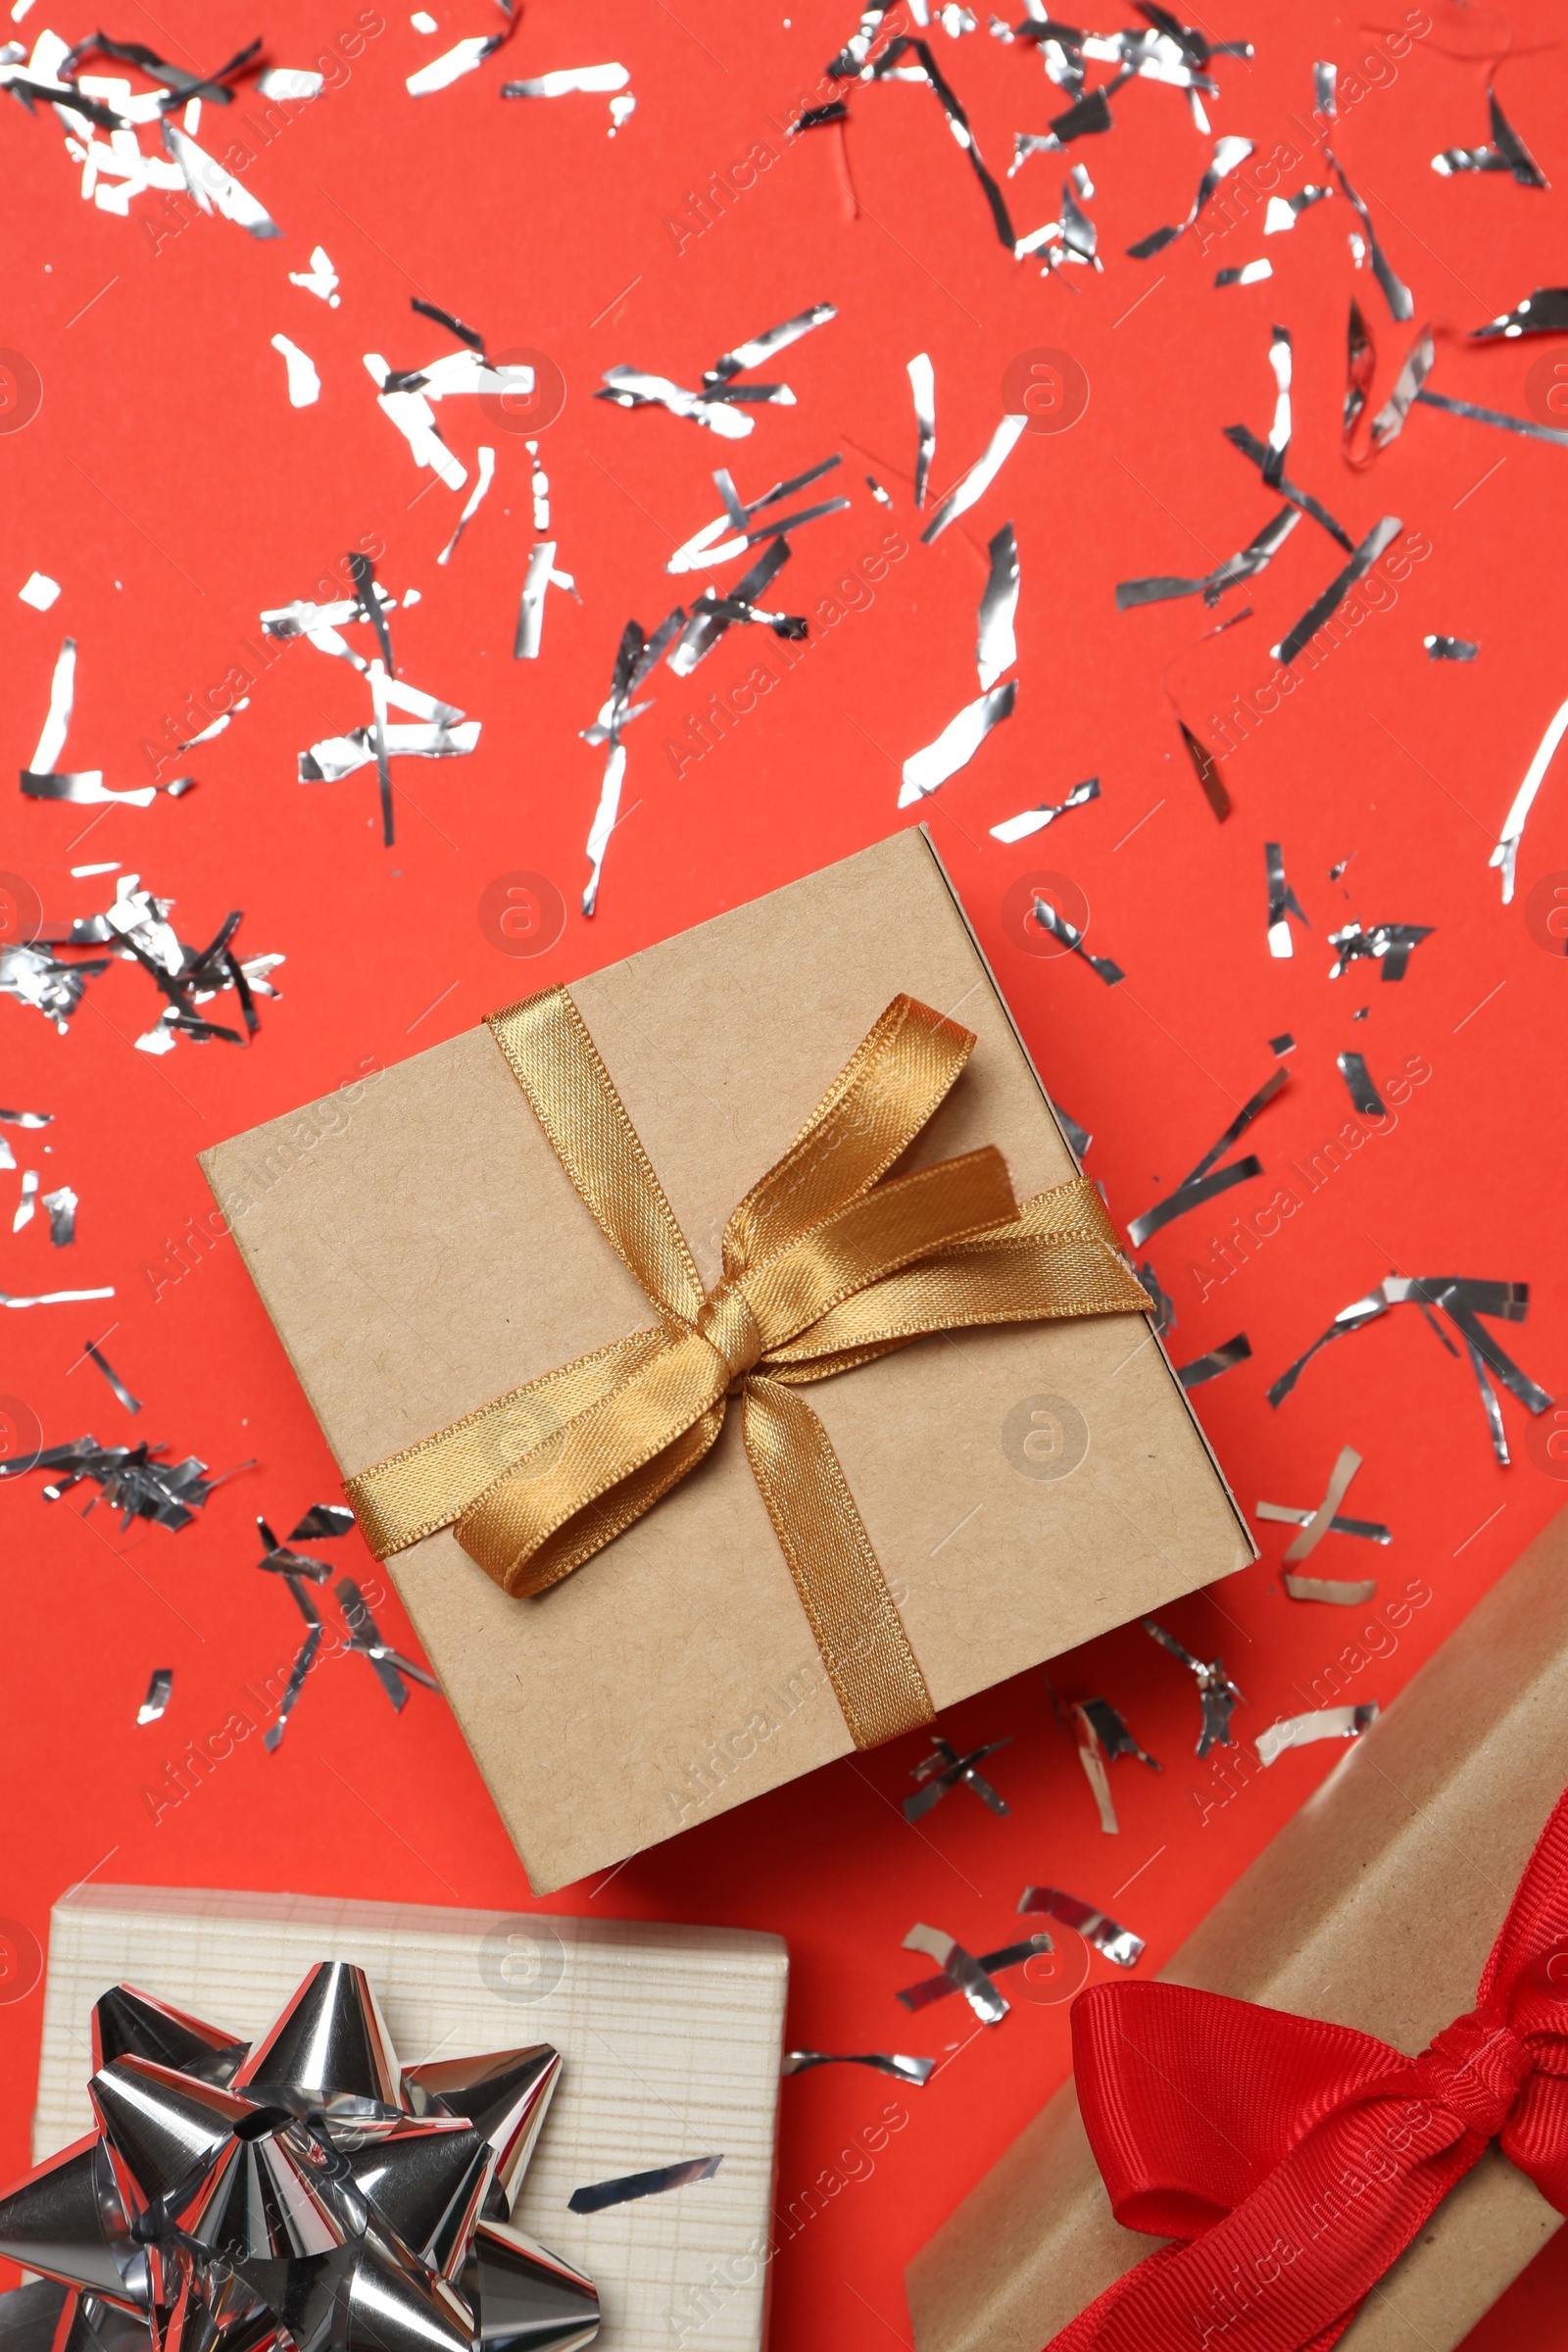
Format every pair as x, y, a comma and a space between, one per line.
1292, 2161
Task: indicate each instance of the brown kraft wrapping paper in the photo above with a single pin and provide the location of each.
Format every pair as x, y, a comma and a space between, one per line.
420, 1249
1375, 1907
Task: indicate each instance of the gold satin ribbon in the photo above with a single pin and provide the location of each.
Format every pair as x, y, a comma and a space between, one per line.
829, 1262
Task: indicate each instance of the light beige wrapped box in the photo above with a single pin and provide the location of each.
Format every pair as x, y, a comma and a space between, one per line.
670, 2040
421, 1250
1375, 1907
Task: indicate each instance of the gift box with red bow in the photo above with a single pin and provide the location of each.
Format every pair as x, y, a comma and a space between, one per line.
653, 1578
1343, 2106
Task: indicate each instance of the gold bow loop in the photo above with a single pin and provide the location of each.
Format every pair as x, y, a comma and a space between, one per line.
828, 1262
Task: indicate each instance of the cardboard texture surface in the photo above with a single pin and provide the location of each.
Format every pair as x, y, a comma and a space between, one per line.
422, 1251
671, 2039
1375, 1907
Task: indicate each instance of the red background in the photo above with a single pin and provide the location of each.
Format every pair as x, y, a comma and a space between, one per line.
170, 487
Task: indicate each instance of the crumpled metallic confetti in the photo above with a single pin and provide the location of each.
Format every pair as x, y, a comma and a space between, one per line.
1543, 313
540, 575
1229, 153
635, 656
705, 547
1245, 564
1245, 274
711, 614
1389, 423
1284, 212
1506, 153
989, 1965
1387, 944
390, 1665
1217, 1360
914, 2071
1506, 853
979, 478
1035, 821
1398, 295
1200, 1186
34, 976
923, 390
1072, 238
1282, 903
1119, 1944
134, 1479
995, 645
308, 2185
1462, 1299
945, 1769
1216, 1693
1324, 1722
960, 1970
926, 772
1500, 417
133, 1404
1338, 589
603, 2193
158, 1693
1105, 967
712, 406
1364, 1096
1451, 649
1103, 1737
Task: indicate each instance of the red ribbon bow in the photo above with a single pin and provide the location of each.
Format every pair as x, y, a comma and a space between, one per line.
1294, 2161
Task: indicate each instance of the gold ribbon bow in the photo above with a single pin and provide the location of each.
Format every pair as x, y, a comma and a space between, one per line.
828, 1263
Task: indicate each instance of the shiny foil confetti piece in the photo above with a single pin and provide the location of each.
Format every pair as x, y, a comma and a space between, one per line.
464, 57
133, 1404
1370, 1531
995, 645
1217, 1360
705, 547
60, 1206
711, 614
1543, 313
1078, 1138
961, 1969
603, 2193
1364, 1096
28, 1204
1217, 1693
1345, 1466
1279, 433
531, 608
1245, 564
214, 188
1500, 417
135, 1481
1451, 649
39, 591
485, 460
319, 279
1324, 1722
568, 80
945, 1769
928, 70
1201, 1184
1506, 153
1387, 944
1282, 903
1246, 273
858, 48
51, 1298
158, 1693
634, 387
1229, 153
1389, 423
979, 478
1506, 853
635, 656
1119, 1944
1398, 295
304, 384
1103, 1737
989, 1964
1035, 821
926, 772
916, 2071
304, 1660
1462, 1299
1160, 1301
1338, 589
1206, 769
1284, 212
1325, 84
390, 1665
1049, 920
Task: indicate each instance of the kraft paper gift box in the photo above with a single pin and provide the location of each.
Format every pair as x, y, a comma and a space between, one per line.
670, 2040
421, 1250
1375, 1907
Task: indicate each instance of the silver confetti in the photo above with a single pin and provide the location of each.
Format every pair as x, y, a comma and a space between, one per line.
1506, 853
944, 1770
1339, 588
158, 1691
1451, 649
926, 772
1325, 1723
1229, 153
60, 1206
1217, 1360
1245, 564
1398, 295
1282, 903
979, 478
1217, 1693
916, 2071
962, 1968
1199, 1184
996, 647
1049, 920
133, 1404
989, 1964
1035, 821
1387, 944
1364, 1096
1119, 1944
